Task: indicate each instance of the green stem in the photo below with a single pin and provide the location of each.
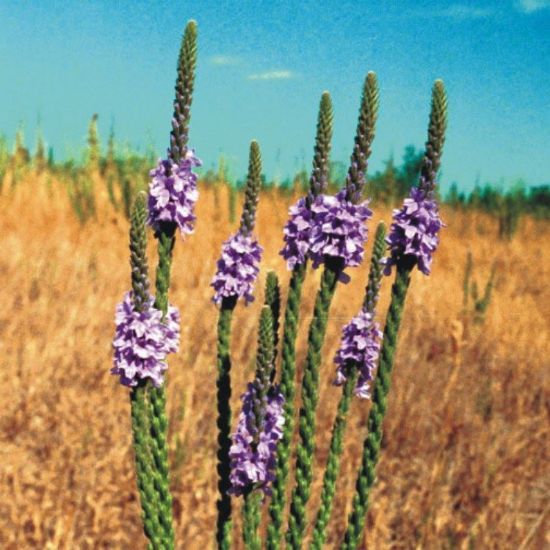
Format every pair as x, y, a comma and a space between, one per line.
158, 428
158, 420
288, 381
144, 472
251, 520
223, 385
333, 463
149, 479
338, 430
318, 184
310, 397
371, 446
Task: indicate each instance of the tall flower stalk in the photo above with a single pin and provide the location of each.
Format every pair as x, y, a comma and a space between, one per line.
172, 195
260, 428
260, 423
337, 240
142, 341
146, 475
295, 252
412, 241
236, 274
356, 359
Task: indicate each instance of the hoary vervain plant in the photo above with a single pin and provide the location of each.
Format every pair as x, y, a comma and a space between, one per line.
337, 240
172, 196
295, 252
237, 270
330, 231
412, 241
148, 329
356, 360
260, 423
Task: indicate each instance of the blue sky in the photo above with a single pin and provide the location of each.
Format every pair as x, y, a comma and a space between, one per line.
263, 66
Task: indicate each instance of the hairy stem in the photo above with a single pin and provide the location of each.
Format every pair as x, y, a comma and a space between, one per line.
338, 429
333, 463
251, 520
310, 397
371, 446
288, 381
223, 385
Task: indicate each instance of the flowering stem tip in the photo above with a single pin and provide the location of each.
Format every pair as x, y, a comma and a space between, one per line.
296, 251
236, 274
413, 239
356, 361
142, 341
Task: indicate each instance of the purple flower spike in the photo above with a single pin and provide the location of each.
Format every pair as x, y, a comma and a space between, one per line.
253, 452
142, 342
414, 231
361, 339
238, 268
297, 233
339, 229
173, 193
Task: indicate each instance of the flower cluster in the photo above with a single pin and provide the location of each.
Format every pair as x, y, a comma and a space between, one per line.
253, 452
237, 269
361, 339
414, 231
332, 227
142, 342
173, 193
297, 233
339, 229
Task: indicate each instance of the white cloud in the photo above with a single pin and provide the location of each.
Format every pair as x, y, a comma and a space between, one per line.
530, 6
272, 75
224, 60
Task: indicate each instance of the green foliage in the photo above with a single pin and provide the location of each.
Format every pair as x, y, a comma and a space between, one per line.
125, 175
391, 185
507, 206
21, 155
81, 193
40, 153
233, 194
51, 158
94, 153
509, 212
4, 160
475, 305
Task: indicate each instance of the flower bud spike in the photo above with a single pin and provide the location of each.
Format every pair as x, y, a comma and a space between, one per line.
413, 237
436, 139
376, 269
364, 136
252, 189
185, 81
273, 300
138, 252
318, 181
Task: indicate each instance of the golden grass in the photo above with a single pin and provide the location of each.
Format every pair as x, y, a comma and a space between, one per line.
465, 456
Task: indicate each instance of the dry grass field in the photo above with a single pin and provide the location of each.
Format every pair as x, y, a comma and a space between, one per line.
466, 452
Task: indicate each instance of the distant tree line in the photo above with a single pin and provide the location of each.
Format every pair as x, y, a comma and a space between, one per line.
126, 171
